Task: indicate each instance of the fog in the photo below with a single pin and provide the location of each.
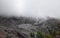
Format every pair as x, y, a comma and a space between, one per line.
34, 8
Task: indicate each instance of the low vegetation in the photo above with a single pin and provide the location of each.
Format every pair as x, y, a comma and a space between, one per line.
40, 34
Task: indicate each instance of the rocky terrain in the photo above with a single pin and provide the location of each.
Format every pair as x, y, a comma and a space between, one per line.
12, 27
16, 26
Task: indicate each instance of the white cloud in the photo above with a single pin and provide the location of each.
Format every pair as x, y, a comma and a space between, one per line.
36, 8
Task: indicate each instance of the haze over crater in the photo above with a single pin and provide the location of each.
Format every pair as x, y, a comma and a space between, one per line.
35, 8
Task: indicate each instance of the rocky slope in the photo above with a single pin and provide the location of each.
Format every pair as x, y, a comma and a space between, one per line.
21, 27
10, 24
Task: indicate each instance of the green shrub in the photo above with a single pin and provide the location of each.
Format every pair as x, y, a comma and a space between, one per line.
54, 33
48, 36
39, 34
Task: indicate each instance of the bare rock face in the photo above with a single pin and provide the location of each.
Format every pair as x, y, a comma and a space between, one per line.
10, 34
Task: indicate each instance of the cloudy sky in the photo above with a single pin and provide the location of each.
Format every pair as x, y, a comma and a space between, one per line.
35, 8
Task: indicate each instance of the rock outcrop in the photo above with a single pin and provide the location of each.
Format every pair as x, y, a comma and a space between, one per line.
10, 34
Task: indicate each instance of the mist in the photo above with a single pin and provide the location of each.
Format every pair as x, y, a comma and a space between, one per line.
33, 8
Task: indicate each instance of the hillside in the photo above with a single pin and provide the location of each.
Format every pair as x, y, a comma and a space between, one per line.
22, 27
